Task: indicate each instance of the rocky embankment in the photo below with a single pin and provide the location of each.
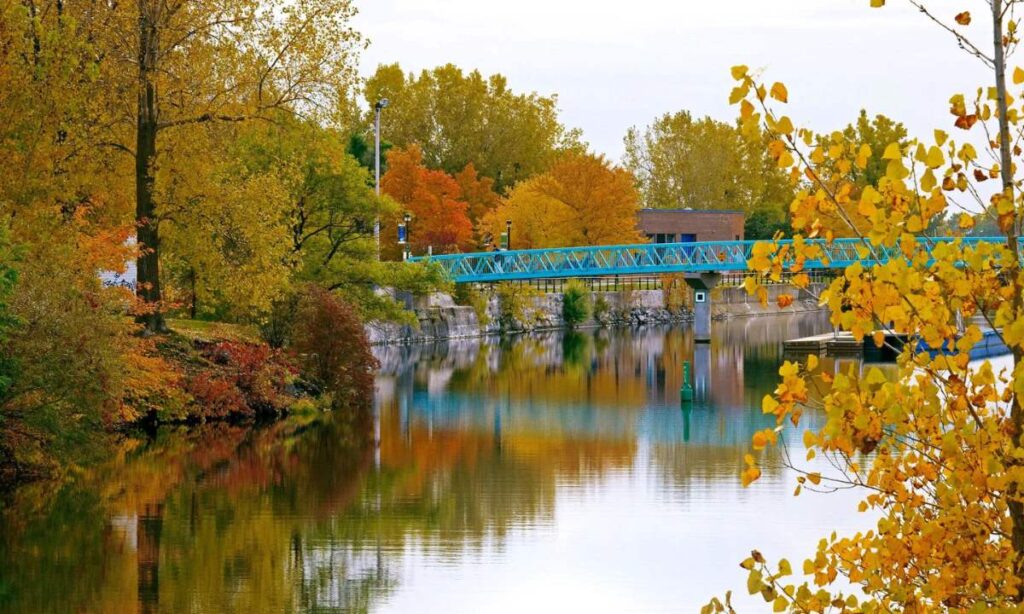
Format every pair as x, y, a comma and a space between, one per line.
440, 318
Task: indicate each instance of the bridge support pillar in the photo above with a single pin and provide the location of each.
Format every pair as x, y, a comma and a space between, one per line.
702, 284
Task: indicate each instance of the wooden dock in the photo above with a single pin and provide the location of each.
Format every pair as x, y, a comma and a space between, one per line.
842, 343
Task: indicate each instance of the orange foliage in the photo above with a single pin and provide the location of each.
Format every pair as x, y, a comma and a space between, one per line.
478, 192
440, 215
582, 200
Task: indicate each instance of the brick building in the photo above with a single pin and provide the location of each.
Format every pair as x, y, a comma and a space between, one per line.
688, 225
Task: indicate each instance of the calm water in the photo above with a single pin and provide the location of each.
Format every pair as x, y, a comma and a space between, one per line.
549, 474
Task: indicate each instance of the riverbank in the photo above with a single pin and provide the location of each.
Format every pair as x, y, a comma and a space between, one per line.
500, 311
196, 373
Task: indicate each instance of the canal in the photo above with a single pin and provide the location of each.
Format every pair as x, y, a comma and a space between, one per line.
549, 473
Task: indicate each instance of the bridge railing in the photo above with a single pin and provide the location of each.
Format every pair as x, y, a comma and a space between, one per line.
657, 258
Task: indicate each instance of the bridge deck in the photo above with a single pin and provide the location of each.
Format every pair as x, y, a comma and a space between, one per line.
648, 259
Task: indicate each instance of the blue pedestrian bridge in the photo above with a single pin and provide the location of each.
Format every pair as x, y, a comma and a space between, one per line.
657, 258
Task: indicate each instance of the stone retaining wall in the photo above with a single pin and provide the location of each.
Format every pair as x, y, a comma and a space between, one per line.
439, 318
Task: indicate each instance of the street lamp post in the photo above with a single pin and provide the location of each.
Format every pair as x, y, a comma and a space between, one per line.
508, 234
377, 108
407, 248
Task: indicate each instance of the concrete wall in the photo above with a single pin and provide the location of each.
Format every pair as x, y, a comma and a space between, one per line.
728, 302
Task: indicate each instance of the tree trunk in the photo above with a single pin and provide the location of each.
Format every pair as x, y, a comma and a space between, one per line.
1015, 505
148, 262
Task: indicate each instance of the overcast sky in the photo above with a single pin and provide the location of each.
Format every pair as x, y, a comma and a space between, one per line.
620, 63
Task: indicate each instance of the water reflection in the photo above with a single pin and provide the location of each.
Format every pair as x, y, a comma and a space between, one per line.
555, 472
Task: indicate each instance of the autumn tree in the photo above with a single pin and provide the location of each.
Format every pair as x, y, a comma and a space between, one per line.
685, 163
936, 448
8, 276
458, 118
177, 66
581, 200
440, 215
877, 133
478, 192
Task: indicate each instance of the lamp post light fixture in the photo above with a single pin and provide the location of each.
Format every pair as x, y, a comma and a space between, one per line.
377, 108
405, 237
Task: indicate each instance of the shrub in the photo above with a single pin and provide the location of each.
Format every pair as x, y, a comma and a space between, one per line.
218, 396
329, 338
515, 305
247, 379
576, 305
676, 293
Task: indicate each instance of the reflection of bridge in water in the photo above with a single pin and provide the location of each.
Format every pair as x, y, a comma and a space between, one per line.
617, 385
699, 424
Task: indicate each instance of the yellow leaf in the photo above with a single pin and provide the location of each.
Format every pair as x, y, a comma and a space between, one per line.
812, 362
963, 18
759, 440
769, 404
875, 376
892, 152
928, 181
784, 125
895, 170
815, 478
1018, 76
779, 92
746, 109
935, 158
739, 71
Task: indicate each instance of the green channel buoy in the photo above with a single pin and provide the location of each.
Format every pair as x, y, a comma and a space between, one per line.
686, 391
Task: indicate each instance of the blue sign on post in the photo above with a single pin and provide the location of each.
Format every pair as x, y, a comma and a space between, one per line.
402, 234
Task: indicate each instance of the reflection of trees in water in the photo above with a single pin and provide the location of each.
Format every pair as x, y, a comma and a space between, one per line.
452, 490
218, 519
476, 441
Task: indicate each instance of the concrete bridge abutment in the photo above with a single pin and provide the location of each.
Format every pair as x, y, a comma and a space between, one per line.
702, 285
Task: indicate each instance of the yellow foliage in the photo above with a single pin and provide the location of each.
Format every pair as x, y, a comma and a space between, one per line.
933, 443
581, 200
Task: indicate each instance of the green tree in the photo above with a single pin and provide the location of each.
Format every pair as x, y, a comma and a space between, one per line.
576, 307
682, 162
459, 118
327, 215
